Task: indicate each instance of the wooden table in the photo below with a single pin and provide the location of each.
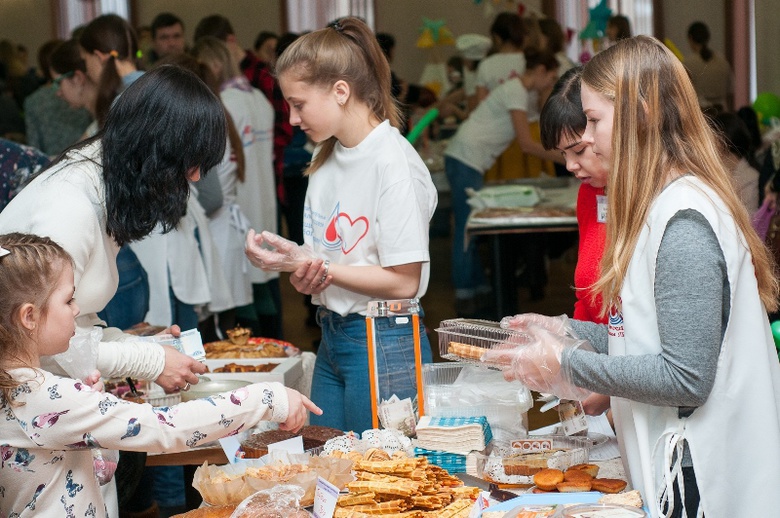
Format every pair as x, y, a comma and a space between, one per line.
555, 213
189, 461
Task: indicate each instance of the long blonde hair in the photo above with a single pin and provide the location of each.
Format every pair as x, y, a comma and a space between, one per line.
346, 50
658, 127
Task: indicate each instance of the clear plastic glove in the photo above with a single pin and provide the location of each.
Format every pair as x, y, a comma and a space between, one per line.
538, 364
559, 325
283, 256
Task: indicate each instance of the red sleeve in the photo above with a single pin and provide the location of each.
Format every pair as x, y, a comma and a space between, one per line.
591, 248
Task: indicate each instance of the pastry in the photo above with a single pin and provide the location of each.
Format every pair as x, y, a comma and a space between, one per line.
313, 437
548, 479
633, 498
235, 367
222, 511
573, 487
239, 335
575, 475
471, 352
608, 485
527, 464
590, 469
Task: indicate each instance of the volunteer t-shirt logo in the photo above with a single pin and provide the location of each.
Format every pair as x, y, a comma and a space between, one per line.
344, 232
616, 322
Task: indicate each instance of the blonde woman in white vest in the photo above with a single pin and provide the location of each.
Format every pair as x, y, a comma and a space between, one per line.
687, 355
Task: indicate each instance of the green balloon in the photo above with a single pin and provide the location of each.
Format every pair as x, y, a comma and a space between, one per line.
776, 333
418, 128
767, 106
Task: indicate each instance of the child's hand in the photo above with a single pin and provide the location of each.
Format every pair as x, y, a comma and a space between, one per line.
94, 381
296, 417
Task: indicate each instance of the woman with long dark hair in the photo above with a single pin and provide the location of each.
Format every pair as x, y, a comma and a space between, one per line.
116, 188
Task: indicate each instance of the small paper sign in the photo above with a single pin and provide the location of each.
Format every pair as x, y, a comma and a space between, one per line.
294, 445
325, 497
232, 448
482, 503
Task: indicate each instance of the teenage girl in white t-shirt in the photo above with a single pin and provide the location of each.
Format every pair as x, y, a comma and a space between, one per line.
368, 205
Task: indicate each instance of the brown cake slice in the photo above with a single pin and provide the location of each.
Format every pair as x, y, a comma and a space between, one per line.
313, 437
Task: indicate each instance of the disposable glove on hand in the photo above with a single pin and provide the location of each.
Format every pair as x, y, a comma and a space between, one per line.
538, 364
559, 325
283, 256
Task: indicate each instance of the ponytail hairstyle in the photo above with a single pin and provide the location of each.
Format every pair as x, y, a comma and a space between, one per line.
699, 33
210, 50
28, 275
347, 51
658, 127
112, 35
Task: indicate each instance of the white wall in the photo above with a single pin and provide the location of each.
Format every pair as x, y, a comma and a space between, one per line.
679, 15
27, 22
767, 46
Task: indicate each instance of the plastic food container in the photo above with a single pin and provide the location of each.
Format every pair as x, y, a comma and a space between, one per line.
517, 462
603, 511
466, 340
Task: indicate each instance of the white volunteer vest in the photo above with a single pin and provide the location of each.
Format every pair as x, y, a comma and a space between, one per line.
734, 437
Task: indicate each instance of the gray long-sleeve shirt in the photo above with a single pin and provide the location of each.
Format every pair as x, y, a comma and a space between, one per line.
692, 294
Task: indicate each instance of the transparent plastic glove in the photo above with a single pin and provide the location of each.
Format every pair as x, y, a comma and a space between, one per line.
283, 256
559, 325
538, 364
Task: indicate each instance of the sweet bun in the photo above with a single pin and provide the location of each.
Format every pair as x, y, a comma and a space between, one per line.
573, 487
548, 478
577, 476
608, 485
538, 491
590, 469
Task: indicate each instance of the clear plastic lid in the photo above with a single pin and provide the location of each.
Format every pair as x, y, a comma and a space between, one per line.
603, 511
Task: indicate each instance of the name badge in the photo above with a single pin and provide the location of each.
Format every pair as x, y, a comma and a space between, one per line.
601, 208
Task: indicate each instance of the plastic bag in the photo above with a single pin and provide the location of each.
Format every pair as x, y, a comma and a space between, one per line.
80, 360
104, 464
282, 501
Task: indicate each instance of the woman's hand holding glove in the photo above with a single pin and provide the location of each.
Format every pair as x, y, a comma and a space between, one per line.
538, 363
284, 255
559, 325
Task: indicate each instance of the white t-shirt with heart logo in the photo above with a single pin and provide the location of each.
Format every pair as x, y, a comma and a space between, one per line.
370, 205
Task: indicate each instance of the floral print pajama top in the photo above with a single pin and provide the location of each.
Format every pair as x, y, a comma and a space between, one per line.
46, 464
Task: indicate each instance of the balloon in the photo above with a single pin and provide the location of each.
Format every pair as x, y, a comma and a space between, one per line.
767, 106
418, 128
675, 50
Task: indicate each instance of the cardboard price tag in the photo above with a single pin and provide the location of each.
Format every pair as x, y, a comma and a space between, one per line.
325, 497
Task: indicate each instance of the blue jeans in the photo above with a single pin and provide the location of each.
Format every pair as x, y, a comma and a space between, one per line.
467, 271
131, 300
340, 381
